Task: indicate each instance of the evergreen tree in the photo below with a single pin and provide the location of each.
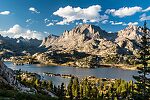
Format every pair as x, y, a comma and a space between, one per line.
36, 83
142, 81
94, 93
85, 89
81, 91
43, 84
58, 93
50, 85
55, 89
88, 90
69, 89
75, 88
112, 92
62, 91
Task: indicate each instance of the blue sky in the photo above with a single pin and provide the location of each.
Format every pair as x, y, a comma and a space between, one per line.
38, 18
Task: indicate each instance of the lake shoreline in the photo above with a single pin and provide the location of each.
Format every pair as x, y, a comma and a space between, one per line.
121, 66
99, 72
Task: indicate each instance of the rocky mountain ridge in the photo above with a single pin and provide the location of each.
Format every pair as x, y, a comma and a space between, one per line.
18, 46
93, 40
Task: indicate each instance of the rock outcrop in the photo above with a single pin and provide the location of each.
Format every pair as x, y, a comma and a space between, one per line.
93, 40
8, 77
83, 38
129, 38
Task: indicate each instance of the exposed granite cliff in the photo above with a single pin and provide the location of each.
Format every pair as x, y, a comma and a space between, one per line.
83, 38
129, 37
8, 77
94, 41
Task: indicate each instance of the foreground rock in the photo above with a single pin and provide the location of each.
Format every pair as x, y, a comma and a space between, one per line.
8, 80
7, 76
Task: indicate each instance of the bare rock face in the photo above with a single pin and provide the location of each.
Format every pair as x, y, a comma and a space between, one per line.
7, 76
83, 38
131, 32
93, 40
129, 37
49, 40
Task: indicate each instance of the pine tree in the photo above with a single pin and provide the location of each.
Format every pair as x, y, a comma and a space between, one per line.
112, 92
55, 89
36, 83
58, 93
76, 88
43, 84
69, 89
85, 88
142, 81
62, 91
81, 91
50, 85
94, 93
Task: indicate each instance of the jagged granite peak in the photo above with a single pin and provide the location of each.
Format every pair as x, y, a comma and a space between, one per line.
80, 33
131, 32
129, 37
87, 30
93, 40
49, 40
83, 38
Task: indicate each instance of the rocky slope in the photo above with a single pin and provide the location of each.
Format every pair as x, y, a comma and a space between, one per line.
93, 40
11, 46
83, 38
129, 38
8, 81
8, 77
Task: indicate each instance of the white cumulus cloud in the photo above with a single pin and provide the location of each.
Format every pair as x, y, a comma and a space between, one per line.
104, 21
125, 11
144, 17
147, 9
133, 23
116, 23
130, 23
17, 31
64, 22
123, 23
28, 20
50, 24
77, 23
34, 10
70, 14
46, 20
5, 13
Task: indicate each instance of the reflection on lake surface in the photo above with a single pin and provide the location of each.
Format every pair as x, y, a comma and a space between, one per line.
80, 72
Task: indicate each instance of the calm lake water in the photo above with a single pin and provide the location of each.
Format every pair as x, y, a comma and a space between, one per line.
81, 72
